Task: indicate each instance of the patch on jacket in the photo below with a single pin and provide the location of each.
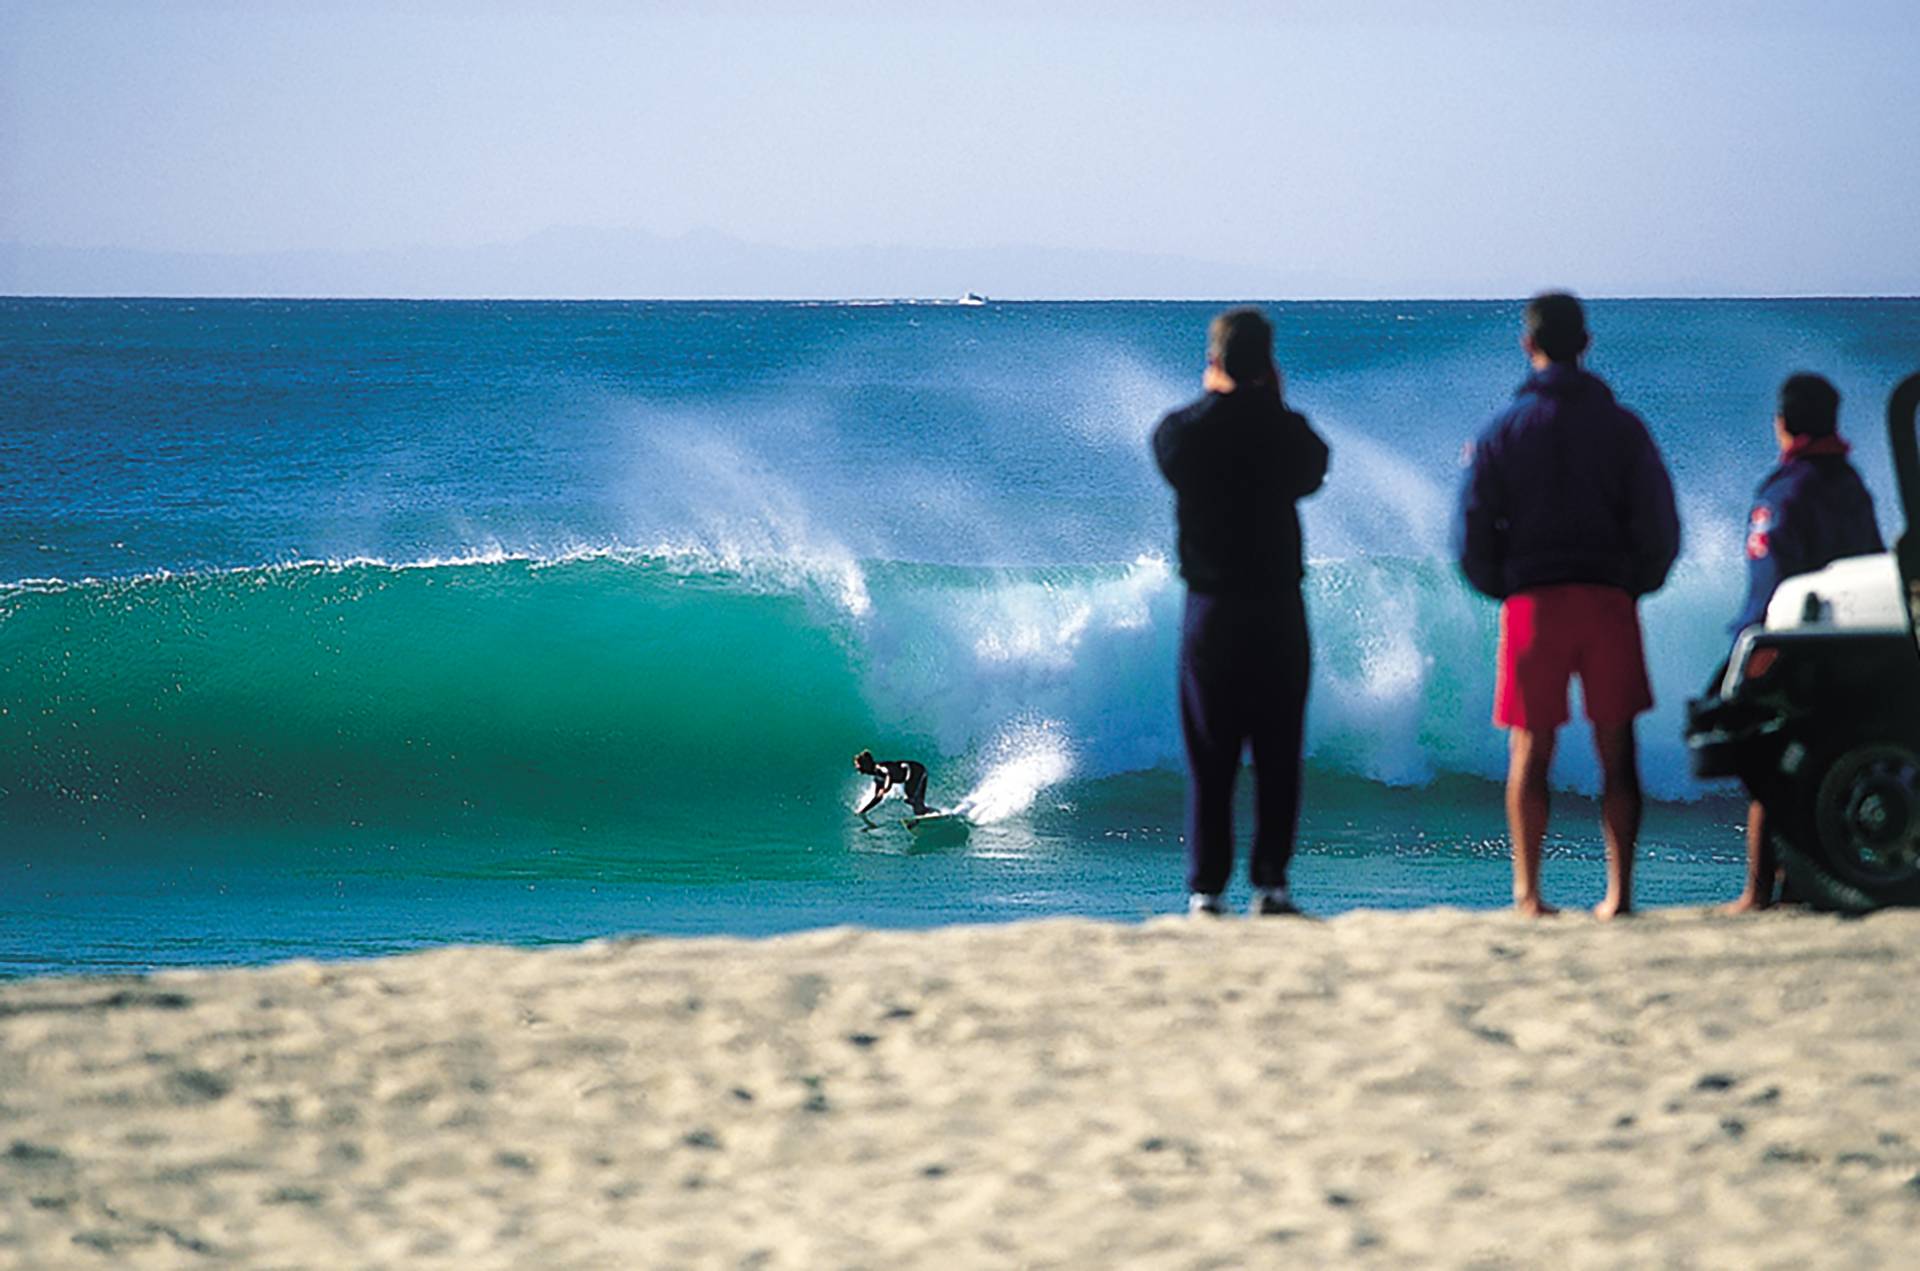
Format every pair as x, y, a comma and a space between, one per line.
1760, 533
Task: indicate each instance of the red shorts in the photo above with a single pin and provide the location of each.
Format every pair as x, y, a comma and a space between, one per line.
1550, 634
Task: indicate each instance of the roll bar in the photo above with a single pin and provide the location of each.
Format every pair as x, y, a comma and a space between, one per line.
1901, 410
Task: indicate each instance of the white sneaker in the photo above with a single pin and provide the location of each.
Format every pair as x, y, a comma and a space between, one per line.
1273, 901
1206, 903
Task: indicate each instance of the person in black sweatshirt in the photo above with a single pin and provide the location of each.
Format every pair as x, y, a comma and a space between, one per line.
1237, 460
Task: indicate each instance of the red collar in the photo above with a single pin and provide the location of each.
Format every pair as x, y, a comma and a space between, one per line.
1813, 447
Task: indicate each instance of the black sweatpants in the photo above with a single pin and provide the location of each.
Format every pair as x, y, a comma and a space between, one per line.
1244, 660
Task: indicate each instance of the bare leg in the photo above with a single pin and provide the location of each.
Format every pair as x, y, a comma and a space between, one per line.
1529, 755
1619, 813
1760, 865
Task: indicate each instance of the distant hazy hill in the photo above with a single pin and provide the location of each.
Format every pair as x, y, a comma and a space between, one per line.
588, 263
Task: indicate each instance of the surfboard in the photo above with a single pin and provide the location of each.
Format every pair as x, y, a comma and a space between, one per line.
938, 824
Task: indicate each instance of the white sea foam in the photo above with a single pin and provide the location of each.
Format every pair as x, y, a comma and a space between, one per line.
1045, 623
761, 567
1402, 682
741, 512
1023, 760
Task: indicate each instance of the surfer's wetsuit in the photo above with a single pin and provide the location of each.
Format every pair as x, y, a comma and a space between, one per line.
910, 775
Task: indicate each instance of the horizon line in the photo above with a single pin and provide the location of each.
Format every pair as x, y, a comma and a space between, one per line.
949, 301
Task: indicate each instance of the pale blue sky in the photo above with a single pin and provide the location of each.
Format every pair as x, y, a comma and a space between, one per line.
1378, 149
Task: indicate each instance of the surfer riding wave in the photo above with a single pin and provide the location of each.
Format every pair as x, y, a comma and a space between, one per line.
909, 776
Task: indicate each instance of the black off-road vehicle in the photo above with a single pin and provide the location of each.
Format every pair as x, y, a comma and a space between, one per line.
1818, 712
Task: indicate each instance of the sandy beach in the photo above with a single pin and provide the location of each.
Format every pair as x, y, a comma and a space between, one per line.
1440, 1087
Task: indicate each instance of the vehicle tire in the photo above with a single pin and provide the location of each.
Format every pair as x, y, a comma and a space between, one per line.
1855, 845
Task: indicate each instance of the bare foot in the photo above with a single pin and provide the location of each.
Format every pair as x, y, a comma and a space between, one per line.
1749, 903
1533, 907
1612, 907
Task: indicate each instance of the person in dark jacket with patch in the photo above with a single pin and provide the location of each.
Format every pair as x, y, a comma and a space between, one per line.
1811, 510
1567, 517
1237, 459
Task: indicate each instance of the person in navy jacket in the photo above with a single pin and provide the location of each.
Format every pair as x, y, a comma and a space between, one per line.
1811, 510
1567, 518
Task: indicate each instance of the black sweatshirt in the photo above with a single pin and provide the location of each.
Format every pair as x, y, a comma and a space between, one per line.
1237, 462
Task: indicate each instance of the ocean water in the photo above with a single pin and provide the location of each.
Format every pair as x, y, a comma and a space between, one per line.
337, 628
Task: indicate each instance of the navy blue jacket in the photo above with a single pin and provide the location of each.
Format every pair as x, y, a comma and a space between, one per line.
1236, 462
1812, 510
1566, 486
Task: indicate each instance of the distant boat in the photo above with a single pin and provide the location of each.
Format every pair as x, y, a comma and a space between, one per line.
971, 298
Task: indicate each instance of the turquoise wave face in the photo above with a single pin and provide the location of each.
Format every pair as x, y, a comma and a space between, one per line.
683, 700
596, 692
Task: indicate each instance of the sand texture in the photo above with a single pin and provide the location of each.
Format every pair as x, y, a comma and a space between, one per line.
1438, 1088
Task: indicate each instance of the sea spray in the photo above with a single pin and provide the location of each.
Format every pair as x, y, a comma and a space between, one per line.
1021, 763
